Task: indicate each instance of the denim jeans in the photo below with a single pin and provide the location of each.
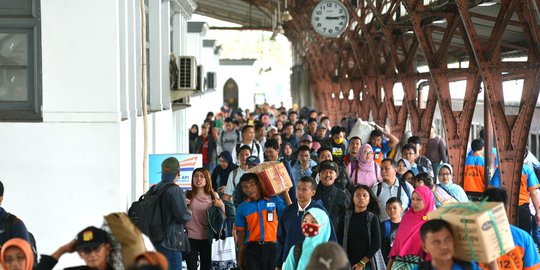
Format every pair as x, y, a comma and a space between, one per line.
174, 258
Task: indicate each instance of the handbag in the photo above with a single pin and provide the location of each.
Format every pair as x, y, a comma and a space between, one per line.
406, 262
223, 254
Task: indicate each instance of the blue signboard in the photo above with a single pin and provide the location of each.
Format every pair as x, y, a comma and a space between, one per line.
188, 163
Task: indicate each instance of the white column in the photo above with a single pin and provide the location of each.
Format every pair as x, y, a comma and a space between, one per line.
155, 67
165, 53
123, 14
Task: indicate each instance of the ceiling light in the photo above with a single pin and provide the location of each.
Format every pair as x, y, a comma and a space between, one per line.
487, 4
440, 21
286, 17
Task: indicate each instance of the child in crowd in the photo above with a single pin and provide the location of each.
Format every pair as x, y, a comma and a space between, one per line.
389, 227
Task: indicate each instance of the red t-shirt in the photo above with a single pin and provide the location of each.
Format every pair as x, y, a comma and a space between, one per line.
204, 150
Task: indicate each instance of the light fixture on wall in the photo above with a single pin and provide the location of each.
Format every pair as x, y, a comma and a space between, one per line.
286, 17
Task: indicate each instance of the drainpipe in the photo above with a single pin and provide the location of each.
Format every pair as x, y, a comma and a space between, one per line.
143, 97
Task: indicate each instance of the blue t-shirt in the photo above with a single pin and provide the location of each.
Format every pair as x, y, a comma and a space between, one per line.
456, 266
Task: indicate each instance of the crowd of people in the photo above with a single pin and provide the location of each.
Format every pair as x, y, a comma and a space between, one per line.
355, 203
368, 188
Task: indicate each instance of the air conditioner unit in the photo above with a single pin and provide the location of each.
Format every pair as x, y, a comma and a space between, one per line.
212, 80
187, 77
201, 80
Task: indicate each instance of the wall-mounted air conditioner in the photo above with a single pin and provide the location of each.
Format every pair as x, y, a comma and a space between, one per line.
201, 80
187, 77
212, 80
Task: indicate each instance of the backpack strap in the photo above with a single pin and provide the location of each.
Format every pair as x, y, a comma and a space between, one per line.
237, 148
387, 228
447, 191
234, 174
159, 192
379, 189
403, 184
298, 252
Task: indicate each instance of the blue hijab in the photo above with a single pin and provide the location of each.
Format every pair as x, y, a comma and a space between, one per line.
310, 243
224, 173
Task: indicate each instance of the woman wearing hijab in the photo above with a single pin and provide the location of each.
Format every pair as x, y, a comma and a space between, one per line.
220, 177
446, 191
403, 166
17, 254
193, 134
364, 170
407, 250
316, 227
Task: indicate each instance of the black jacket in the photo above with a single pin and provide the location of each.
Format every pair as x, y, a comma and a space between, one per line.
335, 200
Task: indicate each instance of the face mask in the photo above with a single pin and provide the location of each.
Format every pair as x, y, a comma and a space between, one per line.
339, 140
310, 229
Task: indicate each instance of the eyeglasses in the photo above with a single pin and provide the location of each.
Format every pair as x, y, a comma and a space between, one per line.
369, 153
444, 174
88, 251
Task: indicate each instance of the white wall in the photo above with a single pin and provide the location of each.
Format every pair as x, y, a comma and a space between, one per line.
85, 159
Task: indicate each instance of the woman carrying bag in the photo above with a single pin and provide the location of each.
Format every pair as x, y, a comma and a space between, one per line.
200, 199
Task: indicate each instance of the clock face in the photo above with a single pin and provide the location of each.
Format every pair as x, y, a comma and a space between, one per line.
330, 18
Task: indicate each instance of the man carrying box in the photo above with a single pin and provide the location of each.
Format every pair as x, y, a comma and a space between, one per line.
524, 255
256, 241
438, 241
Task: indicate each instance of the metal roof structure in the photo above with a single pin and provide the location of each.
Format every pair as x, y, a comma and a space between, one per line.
418, 44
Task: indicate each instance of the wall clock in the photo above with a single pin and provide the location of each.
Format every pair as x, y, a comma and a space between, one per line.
330, 18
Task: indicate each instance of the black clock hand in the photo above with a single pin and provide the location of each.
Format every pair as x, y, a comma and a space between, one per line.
333, 18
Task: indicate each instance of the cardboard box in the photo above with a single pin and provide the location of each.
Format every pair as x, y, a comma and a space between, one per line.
274, 177
472, 221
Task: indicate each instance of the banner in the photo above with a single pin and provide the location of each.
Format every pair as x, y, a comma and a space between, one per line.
188, 163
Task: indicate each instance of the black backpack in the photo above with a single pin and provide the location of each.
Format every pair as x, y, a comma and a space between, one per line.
8, 229
146, 213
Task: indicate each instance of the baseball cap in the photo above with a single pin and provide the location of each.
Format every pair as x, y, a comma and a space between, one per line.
170, 166
306, 137
328, 165
90, 239
271, 128
321, 126
253, 160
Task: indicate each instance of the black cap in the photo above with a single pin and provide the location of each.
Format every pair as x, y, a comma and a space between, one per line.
328, 165
91, 238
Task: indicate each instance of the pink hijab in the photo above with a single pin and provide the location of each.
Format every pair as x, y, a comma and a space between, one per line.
408, 241
364, 170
